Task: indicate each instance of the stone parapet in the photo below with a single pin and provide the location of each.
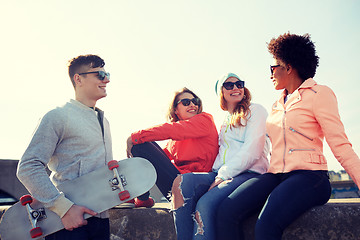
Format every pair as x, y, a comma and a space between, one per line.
142, 224
339, 219
336, 220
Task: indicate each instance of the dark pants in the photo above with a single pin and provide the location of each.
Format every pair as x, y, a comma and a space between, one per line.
96, 229
166, 171
282, 197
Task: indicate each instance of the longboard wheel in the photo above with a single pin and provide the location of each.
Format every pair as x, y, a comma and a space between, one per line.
113, 164
25, 200
36, 232
124, 195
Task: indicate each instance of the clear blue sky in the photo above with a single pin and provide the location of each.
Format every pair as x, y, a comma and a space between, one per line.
153, 48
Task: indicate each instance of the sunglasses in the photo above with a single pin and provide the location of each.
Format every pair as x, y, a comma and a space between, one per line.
101, 74
230, 85
272, 68
186, 101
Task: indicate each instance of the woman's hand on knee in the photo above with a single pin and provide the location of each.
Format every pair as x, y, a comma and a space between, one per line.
218, 181
215, 183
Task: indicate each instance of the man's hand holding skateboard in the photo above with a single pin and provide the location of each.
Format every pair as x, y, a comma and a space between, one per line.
74, 217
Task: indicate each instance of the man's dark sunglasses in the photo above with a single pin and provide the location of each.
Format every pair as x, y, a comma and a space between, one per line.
272, 67
186, 101
101, 74
230, 85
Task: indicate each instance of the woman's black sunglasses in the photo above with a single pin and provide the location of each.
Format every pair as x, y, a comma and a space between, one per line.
186, 101
272, 67
230, 85
101, 74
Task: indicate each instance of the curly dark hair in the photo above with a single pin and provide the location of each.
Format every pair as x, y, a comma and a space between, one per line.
298, 51
82, 63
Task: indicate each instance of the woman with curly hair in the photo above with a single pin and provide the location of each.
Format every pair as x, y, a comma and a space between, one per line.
297, 179
242, 155
192, 145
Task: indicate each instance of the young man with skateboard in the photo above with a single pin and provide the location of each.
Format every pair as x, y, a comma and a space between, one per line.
71, 140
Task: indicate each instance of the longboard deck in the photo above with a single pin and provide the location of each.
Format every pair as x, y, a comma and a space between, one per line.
91, 190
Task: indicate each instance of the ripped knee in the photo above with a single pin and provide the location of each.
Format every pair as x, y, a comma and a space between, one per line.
177, 198
199, 223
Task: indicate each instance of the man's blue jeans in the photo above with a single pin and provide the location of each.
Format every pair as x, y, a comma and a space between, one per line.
283, 197
96, 229
196, 219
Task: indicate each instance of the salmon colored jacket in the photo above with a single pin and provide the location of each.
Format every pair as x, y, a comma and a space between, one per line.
298, 127
193, 143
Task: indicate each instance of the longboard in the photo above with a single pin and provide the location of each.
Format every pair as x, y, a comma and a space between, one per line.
99, 190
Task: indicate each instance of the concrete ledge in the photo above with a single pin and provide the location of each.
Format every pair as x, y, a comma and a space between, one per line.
141, 224
337, 220
333, 221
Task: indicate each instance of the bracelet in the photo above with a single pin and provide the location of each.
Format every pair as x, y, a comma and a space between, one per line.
221, 178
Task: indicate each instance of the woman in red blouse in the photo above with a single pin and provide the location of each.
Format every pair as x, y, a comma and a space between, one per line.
192, 145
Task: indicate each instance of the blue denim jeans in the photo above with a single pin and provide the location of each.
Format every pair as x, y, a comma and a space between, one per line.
166, 171
203, 203
96, 229
282, 198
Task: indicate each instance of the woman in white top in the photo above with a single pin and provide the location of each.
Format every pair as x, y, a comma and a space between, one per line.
242, 155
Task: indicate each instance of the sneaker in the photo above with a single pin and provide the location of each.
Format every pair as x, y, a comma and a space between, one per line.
129, 204
147, 203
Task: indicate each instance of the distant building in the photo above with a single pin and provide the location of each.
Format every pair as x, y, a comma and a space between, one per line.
342, 185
